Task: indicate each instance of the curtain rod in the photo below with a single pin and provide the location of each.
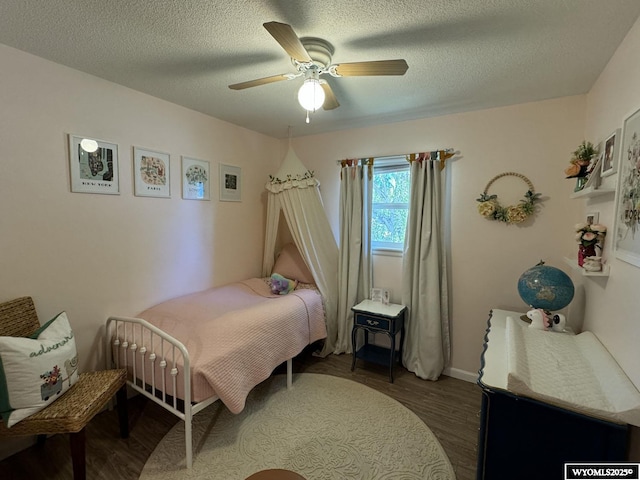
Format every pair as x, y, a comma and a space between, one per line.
449, 151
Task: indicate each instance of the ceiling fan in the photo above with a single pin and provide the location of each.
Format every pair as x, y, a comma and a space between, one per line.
312, 58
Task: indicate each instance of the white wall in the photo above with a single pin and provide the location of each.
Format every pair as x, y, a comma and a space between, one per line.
534, 139
99, 255
612, 308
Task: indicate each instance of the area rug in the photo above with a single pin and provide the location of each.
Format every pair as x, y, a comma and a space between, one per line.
324, 427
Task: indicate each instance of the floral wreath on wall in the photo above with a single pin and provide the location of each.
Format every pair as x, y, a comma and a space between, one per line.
491, 208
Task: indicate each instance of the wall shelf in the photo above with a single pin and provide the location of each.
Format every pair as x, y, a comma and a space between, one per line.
574, 264
588, 192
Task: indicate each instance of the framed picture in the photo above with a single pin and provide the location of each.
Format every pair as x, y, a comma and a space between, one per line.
610, 154
593, 170
230, 183
196, 179
592, 218
151, 173
627, 230
93, 165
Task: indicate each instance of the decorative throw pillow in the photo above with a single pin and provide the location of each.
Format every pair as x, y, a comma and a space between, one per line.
282, 285
291, 265
35, 371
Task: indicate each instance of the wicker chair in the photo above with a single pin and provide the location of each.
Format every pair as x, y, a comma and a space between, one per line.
77, 406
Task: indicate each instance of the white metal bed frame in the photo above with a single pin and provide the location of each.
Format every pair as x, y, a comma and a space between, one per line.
134, 330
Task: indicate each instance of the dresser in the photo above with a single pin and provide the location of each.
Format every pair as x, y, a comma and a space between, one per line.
373, 318
535, 416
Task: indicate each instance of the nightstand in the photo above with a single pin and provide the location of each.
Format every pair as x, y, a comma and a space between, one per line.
375, 317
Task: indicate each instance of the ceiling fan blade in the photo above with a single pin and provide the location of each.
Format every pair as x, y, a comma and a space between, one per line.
379, 67
287, 38
260, 81
330, 100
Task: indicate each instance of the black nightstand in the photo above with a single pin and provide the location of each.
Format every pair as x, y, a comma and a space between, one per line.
375, 317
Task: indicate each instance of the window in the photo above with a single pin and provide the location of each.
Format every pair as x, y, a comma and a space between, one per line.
390, 204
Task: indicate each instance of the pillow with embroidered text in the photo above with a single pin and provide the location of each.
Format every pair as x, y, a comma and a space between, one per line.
36, 371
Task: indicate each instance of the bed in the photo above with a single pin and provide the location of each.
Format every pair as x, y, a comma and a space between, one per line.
188, 352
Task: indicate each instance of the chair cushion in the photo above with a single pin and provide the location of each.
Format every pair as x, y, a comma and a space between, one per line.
73, 410
36, 371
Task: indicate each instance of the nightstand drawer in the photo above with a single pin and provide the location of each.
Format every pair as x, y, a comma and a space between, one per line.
373, 322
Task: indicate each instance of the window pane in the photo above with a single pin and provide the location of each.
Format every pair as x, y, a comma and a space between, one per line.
391, 187
388, 225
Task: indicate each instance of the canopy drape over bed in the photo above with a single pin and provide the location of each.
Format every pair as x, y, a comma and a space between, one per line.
295, 192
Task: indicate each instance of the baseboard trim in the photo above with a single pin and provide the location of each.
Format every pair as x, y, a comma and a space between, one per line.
461, 374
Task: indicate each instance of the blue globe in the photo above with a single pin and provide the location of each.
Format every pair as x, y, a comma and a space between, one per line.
546, 287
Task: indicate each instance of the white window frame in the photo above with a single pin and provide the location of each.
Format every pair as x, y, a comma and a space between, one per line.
386, 165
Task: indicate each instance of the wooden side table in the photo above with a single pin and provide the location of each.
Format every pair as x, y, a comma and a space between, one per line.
375, 317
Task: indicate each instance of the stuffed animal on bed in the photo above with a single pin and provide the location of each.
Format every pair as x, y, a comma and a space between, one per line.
282, 285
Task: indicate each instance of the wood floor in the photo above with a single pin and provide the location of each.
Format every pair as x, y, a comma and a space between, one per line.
450, 408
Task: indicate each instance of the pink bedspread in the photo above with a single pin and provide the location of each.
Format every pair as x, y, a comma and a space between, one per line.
237, 334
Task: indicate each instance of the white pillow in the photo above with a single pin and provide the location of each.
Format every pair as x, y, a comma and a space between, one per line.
36, 371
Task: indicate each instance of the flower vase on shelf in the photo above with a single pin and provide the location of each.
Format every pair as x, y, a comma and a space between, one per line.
585, 251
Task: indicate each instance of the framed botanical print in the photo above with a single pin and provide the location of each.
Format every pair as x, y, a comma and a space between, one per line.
93, 165
196, 179
627, 230
151, 173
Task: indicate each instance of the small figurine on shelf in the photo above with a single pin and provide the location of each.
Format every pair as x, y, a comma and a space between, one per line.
589, 237
592, 264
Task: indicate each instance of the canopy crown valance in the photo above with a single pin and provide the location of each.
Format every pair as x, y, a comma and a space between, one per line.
292, 174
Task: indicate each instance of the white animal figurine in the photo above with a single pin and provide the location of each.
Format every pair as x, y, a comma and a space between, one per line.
558, 322
539, 319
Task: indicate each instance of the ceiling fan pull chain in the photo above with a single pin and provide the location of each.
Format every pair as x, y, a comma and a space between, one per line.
307, 116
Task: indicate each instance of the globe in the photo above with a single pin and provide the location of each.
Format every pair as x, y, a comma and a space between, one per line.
546, 287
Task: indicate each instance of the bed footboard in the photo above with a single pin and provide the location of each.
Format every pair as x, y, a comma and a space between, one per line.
158, 367
156, 363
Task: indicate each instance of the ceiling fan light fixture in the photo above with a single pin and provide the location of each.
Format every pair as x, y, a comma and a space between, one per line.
311, 94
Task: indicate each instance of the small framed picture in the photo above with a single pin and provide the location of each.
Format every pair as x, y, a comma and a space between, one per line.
609, 164
151, 173
592, 218
93, 165
376, 295
230, 183
196, 179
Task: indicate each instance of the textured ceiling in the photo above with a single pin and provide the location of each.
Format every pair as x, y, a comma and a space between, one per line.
462, 54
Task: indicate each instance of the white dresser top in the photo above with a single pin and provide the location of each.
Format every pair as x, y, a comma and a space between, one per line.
377, 308
574, 372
